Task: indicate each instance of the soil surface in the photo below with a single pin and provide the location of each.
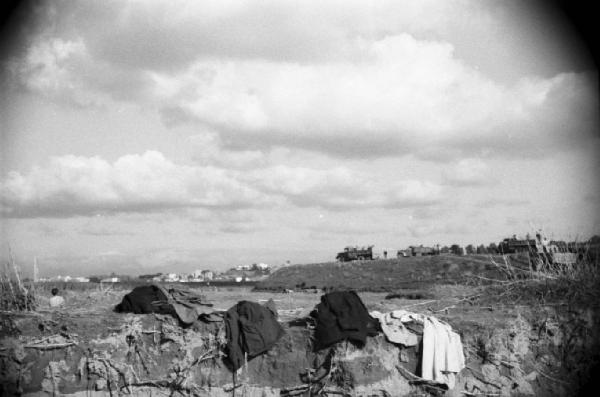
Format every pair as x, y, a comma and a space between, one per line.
513, 346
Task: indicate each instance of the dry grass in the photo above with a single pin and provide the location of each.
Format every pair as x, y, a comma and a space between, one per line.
575, 285
14, 294
383, 275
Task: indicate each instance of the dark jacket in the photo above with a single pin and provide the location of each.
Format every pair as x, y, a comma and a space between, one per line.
145, 299
252, 329
185, 305
342, 315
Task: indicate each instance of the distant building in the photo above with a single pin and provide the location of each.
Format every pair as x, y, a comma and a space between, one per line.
263, 266
560, 245
110, 280
172, 277
150, 276
207, 275
557, 252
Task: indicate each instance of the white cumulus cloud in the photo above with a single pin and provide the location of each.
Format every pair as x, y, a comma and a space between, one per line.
76, 185
404, 96
358, 80
340, 188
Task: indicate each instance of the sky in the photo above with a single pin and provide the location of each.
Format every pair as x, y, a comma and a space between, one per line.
141, 136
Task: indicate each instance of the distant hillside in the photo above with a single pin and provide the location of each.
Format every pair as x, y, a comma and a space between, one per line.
387, 274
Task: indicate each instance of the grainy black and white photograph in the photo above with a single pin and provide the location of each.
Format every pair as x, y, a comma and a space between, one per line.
269, 198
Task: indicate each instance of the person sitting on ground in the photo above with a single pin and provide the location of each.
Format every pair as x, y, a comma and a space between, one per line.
56, 299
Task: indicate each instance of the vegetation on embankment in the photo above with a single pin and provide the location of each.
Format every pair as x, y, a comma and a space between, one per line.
563, 306
388, 274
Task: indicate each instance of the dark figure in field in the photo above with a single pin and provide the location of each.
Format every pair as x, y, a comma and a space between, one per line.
56, 299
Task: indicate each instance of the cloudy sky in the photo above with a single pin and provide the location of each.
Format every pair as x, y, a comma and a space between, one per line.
174, 135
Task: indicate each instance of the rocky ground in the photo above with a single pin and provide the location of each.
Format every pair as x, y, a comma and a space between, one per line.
535, 341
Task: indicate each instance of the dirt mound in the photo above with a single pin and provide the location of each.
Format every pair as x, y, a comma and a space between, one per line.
539, 348
388, 274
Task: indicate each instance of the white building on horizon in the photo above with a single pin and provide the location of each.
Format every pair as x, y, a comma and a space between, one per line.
263, 266
110, 280
172, 277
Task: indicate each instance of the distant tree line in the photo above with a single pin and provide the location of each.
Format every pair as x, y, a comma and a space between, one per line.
470, 249
493, 248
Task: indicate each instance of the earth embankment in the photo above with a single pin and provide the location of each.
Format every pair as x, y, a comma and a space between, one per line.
510, 350
523, 335
391, 274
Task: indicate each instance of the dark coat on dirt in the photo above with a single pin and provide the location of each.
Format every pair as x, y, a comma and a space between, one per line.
252, 329
342, 315
145, 299
187, 306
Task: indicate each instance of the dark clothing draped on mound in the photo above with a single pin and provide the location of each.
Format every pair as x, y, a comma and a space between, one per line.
342, 315
185, 305
251, 329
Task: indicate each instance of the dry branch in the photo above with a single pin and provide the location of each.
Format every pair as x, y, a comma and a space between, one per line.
50, 346
421, 303
545, 375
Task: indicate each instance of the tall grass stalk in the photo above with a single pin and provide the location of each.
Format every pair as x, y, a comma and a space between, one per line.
14, 295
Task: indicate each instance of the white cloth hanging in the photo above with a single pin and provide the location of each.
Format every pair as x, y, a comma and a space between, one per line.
442, 355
